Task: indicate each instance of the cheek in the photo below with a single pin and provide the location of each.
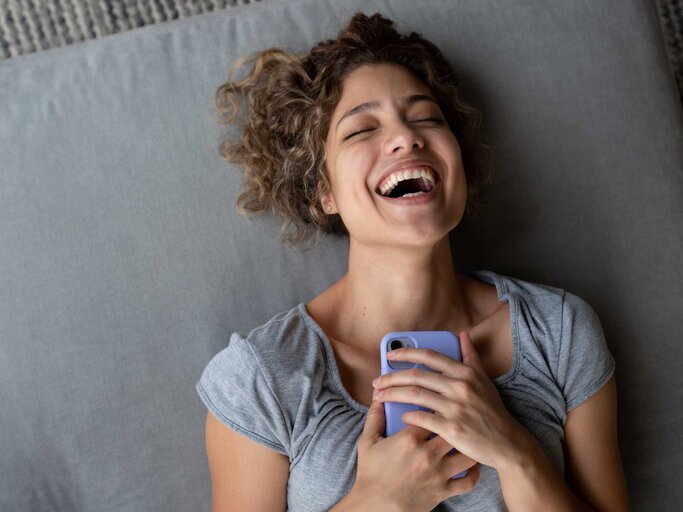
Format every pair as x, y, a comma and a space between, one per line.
458, 182
455, 147
353, 168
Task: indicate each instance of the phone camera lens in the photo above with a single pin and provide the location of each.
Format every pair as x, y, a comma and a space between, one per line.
395, 344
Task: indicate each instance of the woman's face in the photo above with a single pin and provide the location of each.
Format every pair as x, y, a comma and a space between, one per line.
363, 167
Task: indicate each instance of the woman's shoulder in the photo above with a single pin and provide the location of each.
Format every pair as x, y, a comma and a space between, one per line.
546, 298
276, 323
507, 284
286, 336
269, 353
542, 296
558, 321
540, 310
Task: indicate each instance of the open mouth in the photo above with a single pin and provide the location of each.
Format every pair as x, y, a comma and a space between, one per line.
414, 182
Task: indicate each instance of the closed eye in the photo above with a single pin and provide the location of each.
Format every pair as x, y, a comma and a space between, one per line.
437, 120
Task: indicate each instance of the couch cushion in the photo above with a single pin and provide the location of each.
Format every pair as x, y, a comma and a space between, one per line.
124, 266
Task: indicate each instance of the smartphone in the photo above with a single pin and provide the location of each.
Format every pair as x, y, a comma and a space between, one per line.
444, 342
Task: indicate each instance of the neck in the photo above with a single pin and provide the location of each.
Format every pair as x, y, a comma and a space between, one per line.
394, 289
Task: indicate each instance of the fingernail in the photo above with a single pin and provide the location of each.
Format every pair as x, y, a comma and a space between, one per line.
377, 393
375, 382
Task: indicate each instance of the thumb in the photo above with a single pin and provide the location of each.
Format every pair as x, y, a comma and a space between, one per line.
373, 430
470, 357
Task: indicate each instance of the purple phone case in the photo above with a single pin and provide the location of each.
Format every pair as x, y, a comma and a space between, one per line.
444, 342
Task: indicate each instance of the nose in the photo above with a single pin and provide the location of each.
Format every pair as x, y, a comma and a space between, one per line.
403, 136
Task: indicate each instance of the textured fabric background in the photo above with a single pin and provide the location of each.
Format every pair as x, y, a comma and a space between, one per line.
33, 25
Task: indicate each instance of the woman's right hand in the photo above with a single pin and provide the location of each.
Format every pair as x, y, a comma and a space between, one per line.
408, 471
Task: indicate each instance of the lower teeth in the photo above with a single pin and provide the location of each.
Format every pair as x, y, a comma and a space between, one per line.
413, 194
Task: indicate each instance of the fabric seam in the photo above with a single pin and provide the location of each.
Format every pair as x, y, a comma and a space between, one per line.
559, 352
270, 387
592, 389
228, 422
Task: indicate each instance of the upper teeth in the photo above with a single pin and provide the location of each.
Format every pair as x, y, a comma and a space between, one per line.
407, 174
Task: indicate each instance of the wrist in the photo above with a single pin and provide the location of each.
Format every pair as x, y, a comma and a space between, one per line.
526, 459
523, 452
529, 481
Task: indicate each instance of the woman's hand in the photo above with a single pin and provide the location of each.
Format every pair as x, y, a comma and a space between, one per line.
405, 471
467, 410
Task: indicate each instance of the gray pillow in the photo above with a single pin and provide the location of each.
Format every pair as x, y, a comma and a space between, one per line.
124, 266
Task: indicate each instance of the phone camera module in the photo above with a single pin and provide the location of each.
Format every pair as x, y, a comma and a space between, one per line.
395, 344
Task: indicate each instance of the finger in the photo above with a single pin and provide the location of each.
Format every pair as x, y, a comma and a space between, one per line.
416, 432
457, 463
373, 430
416, 376
470, 356
426, 420
465, 484
416, 395
375, 426
431, 358
440, 446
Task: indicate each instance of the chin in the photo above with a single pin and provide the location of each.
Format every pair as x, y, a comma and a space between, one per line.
410, 234
423, 238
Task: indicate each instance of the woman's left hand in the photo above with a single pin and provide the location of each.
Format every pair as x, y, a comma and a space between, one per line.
467, 409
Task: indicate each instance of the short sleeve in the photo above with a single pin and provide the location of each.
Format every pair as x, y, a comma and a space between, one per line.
585, 363
234, 388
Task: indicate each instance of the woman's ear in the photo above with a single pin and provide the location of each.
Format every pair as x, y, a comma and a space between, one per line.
327, 202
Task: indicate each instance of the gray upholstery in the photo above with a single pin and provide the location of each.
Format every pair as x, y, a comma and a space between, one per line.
124, 266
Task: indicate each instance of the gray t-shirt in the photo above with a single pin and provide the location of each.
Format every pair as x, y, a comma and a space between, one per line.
280, 386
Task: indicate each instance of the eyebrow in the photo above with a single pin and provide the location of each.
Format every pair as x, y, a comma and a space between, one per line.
374, 105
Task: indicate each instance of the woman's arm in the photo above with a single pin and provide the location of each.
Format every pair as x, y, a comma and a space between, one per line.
245, 475
593, 464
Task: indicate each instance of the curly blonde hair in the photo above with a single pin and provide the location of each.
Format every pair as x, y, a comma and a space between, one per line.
291, 100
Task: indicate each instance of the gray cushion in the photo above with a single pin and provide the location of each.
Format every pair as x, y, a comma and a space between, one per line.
124, 266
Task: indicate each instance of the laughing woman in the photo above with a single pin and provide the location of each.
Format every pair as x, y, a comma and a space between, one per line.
367, 136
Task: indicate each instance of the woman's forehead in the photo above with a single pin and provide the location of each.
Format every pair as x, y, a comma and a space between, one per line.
379, 77
370, 86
